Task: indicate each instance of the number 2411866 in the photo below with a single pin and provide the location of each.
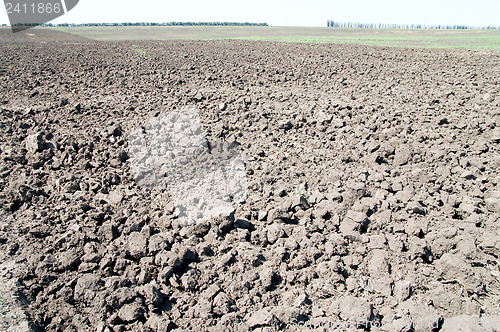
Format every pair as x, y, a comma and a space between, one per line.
34, 8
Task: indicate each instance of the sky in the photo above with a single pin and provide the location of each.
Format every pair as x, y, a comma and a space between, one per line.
314, 13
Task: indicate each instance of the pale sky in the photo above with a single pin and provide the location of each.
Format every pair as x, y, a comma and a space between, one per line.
286, 12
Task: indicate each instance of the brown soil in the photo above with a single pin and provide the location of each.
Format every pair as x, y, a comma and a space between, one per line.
373, 187
37, 35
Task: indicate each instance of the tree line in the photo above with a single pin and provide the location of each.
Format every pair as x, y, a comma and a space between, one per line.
150, 24
333, 24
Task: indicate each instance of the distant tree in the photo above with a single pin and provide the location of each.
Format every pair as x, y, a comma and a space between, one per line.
333, 24
127, 24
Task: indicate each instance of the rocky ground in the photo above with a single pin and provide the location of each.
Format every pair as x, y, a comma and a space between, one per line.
373, 187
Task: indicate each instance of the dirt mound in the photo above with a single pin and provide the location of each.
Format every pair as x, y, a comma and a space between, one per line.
39, 35
373, 195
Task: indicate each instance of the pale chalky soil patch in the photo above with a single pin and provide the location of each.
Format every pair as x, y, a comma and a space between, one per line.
12, 316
